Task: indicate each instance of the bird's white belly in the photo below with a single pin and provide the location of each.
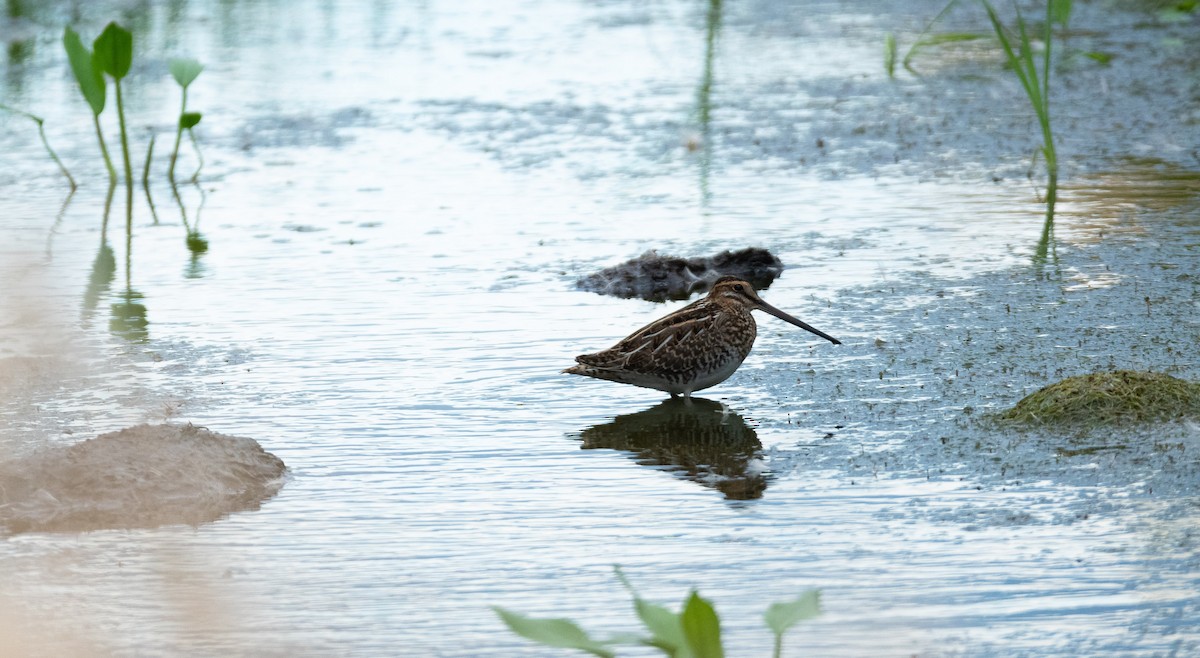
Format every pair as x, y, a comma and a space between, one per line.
715, 377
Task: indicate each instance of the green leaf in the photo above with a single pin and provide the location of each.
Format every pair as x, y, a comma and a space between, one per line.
666, 627
783, 615
889, 54
114, 50
664, 624
1060, 11
184, 70
1103, 58
189, 120
86, 69
702, 628
948, 37
561, 633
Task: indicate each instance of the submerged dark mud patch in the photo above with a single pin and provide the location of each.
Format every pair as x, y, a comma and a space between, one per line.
139, 477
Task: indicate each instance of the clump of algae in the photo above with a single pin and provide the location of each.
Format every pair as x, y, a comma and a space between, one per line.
1108, 398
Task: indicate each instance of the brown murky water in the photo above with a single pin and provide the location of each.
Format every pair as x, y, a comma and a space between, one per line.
397, 201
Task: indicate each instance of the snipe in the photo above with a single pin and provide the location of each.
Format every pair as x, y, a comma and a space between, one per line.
696, 347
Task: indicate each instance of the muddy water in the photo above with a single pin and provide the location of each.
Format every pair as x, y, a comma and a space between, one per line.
396, 209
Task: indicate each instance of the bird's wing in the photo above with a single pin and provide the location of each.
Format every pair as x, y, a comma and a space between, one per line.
659, 343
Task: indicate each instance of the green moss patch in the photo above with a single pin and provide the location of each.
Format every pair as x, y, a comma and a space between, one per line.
1108, 398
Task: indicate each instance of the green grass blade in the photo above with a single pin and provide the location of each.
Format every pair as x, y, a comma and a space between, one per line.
114, 50
1011, 56
702, 628
86, 69
889, 54
1036, 94
560, 633
912, 51
1059, 11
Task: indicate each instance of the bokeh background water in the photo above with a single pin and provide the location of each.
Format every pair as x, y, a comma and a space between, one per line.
397, 200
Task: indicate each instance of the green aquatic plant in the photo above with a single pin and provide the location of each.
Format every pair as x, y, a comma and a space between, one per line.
1036, 84
113, 54
889, 54
90, 78
783, 615
1023, 61
45, 142
926, 39
1108, 398
693, 632
185, 72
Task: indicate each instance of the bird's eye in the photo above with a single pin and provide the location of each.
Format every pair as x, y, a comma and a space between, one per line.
740, 288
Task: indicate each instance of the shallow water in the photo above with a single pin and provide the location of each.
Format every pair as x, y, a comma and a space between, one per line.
396, 213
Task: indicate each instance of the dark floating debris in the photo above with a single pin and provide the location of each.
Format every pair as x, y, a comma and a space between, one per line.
659, 278
139, 477
1108, 398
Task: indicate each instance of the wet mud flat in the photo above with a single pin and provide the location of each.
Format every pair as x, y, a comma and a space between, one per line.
139, 477
915, 395
937, 358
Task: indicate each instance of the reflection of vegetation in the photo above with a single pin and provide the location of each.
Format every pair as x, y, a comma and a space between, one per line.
704, 98
699, 438
196, 243
45, 142
693, 632
1045, 247
129, 317
129, 314
1108, 398
104, 268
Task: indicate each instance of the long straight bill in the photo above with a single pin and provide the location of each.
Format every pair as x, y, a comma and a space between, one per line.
803, 325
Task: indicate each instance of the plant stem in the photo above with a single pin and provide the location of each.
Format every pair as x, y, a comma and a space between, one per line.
178, 138
1036, 89
46, 143
149, 156
128, 165
112, 172
1044, 115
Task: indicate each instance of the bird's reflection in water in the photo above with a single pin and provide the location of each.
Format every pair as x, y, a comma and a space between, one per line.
700, 439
